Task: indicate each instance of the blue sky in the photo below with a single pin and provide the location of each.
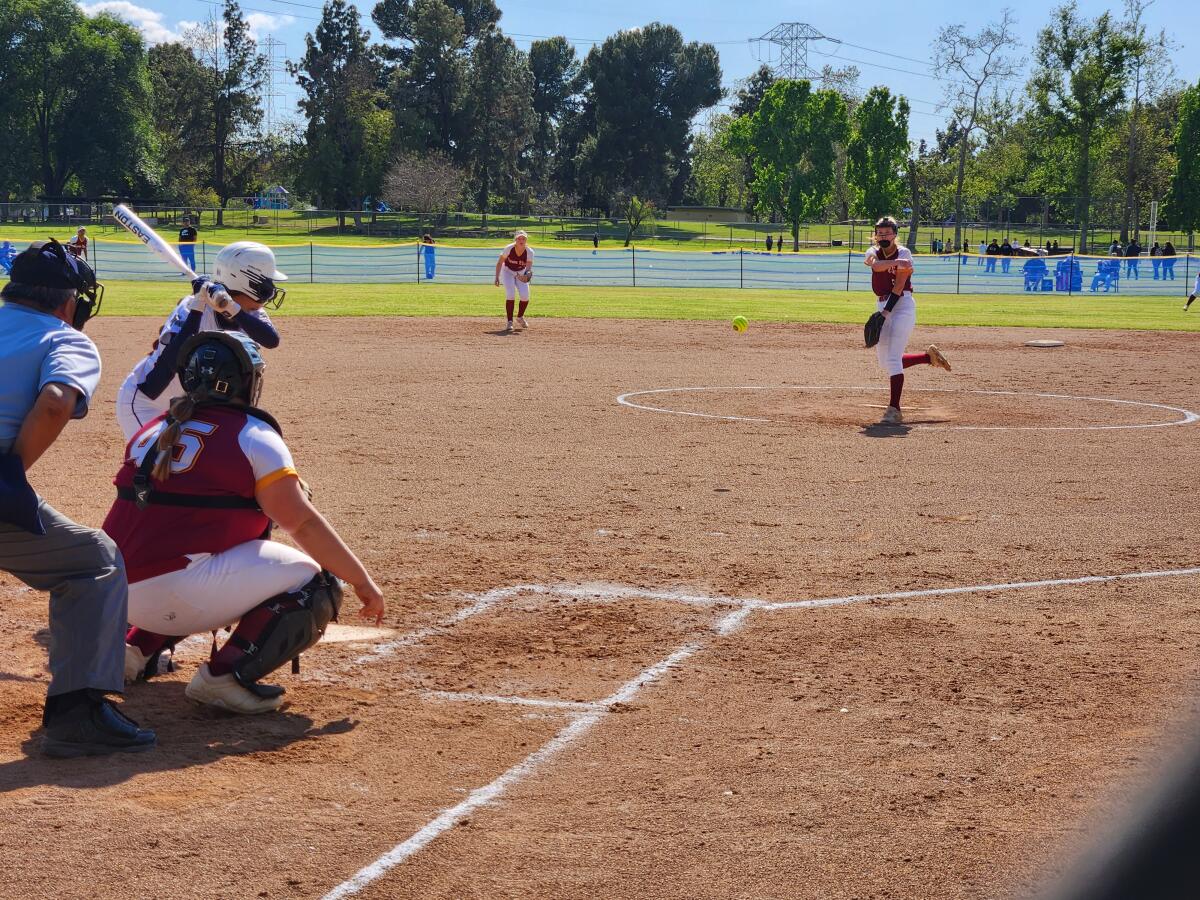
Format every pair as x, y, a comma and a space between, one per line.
909, 29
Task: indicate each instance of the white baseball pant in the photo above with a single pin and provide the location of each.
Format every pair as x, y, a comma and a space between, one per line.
896, 331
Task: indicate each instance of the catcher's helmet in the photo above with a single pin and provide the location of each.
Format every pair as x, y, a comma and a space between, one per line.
48, 264
249, 267
224, 366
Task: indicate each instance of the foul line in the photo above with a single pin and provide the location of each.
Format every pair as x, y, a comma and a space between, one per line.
590, 715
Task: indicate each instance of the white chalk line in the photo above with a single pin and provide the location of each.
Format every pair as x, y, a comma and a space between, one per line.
587, 719
1187, 417
471, 697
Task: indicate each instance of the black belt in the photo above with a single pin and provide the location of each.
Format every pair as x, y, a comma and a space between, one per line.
194, 501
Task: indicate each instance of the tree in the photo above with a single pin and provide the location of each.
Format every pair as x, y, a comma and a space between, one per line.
180, 105
397, 19
876, 154
425, 182
429, 90
1150, 71
635, 212
753, 89
553, 66
1080, 79
500, 113
975, 66
641, 90
793, 135
235, 77
1183, 201
718, 173
78, 93
349, 130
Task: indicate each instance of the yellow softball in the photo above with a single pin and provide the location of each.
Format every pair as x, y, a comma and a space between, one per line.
740, 324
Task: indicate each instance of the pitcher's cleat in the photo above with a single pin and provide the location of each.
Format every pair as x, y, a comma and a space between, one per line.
521, 323
937, 358
892, 416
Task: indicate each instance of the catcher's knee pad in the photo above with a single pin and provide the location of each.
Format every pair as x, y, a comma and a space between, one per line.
298, 620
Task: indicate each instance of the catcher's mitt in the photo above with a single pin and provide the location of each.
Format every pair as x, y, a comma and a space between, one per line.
872, 328
525, 277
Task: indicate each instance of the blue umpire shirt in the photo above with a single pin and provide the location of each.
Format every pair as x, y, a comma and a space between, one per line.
37, 349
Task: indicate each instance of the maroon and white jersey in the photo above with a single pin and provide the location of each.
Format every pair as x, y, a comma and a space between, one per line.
517, 262
222, 452
883, 282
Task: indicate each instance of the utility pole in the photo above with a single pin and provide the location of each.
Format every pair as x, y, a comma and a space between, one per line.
792, 40
269, 46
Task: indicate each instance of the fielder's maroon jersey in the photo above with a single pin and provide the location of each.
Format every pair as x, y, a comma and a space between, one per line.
222, 451
517, 262
883, 282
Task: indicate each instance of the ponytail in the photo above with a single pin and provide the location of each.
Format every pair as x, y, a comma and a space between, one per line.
177, 416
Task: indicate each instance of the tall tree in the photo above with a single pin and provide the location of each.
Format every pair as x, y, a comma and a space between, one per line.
641, 89
1183, 201
1149, 72
793, 135
877, 154
976, 67
349, 130
429, 90
553, 66
1079, 80
500, 111
718, 173
752, 90
397, 19
180, 104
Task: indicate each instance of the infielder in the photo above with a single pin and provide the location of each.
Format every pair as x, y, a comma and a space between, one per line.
891, 268
196, 498
243, 282
515, 269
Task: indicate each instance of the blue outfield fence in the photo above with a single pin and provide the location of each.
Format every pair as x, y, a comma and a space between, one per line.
637, 267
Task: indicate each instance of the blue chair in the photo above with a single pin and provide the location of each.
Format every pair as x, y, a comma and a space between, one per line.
1108, 275
1035, 272
7, 255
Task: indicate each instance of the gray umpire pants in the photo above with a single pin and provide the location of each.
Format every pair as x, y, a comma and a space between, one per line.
85, 575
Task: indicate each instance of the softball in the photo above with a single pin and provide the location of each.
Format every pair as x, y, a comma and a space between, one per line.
740, 324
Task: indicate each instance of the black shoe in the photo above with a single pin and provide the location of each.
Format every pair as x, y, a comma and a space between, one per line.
94, 727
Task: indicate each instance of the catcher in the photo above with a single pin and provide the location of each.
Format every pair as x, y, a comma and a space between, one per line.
196, 496
515, 269
890, 326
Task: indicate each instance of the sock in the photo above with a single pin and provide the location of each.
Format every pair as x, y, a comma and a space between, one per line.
897, 385
508, 309
523, 307
249, 630
147, 641
915, 359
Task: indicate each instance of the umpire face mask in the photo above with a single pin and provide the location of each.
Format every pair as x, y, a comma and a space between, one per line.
87, 305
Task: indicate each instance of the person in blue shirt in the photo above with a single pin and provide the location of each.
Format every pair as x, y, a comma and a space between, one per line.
51, 370
188, 235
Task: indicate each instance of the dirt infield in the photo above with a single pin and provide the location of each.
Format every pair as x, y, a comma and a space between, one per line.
651, 648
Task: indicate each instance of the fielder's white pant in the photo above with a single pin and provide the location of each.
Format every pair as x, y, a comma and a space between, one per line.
217, 589
135, 409
512, 287
896, 331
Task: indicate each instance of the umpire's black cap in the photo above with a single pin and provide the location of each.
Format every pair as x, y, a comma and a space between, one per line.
48, 264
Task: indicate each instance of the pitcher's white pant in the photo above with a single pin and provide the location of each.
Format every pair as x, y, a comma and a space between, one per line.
512, 287
896, 331
217, 589
135, 409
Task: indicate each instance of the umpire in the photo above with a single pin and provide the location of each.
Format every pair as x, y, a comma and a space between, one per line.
50, 371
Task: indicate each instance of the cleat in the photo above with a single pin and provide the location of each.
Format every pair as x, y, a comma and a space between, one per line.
135, 663
227, 693
508, 329
892, 416
937, 358
521, 323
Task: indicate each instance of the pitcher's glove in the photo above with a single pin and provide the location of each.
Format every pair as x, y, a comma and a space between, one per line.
872, 329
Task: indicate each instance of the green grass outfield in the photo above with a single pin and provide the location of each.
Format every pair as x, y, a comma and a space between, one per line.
139, 298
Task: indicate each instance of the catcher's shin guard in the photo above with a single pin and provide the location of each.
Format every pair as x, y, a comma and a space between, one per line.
279, 629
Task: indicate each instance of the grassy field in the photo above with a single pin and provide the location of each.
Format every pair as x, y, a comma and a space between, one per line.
1035, 311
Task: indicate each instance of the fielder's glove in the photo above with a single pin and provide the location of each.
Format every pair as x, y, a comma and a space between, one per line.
872, 329
525, 277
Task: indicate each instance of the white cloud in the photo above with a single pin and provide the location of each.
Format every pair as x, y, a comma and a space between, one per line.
264, 23
149, 22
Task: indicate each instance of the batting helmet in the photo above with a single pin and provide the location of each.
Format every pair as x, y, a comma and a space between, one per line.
249, 268
224, 366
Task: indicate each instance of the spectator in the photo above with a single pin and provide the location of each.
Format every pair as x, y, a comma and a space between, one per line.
7, 254
79, 244
1114, 249
1006, 255
1132, 252
779, 244
993, 250
1168, 262
1054, 247
966, 249
1155, 253
427, 252
983, 249
51, 371
187, 242
596, 241
770, 243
